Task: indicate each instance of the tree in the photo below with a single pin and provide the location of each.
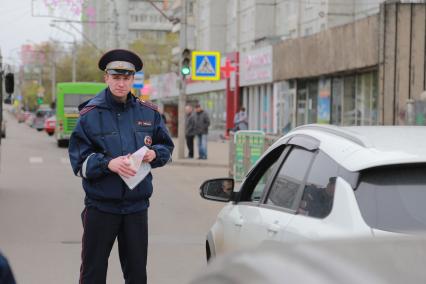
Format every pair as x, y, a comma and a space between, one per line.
86, 65
156, 54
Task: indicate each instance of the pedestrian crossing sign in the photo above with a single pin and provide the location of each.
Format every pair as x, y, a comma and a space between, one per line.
205, 65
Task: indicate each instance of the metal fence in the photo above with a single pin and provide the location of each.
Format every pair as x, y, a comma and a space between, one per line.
248, 160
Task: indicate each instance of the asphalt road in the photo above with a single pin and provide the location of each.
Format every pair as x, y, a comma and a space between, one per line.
41, 201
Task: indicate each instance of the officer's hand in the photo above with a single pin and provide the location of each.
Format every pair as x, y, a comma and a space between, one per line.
121, 165
149, 156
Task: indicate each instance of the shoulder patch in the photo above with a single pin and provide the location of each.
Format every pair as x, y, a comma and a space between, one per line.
148, 104
86, 109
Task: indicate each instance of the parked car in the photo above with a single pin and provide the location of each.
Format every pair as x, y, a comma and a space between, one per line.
325, 182
380, 260
49, 125
40, 117
30, 119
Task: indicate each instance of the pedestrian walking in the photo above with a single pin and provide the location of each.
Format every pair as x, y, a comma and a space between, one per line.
202, 123
111, 126
240, 120
189, 130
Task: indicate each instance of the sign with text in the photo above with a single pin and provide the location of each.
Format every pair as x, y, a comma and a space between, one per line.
249, 146
139, 80
256, 66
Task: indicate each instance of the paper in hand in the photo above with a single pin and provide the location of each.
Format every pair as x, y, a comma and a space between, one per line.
142, 169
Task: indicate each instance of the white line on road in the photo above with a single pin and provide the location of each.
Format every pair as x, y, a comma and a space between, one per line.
36, 160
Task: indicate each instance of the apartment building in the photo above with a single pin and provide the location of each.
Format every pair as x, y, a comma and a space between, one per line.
254, 29
118, 23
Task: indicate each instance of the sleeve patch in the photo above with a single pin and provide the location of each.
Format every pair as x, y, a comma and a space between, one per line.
149, 104
86, 109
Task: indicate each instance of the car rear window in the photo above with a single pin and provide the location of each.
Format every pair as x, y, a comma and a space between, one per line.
394, 198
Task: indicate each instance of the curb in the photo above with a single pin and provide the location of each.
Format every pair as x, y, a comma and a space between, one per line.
197, 164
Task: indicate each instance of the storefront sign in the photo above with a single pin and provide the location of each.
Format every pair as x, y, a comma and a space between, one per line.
256, 66
249, 147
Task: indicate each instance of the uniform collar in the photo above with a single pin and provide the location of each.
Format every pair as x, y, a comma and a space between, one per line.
104, 100
118, 105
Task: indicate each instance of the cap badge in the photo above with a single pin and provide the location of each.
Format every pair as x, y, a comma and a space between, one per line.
148, 140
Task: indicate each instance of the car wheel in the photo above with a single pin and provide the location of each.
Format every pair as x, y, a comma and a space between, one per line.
3, 134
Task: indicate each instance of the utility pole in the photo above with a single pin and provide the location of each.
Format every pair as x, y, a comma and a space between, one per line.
53, 75
74, 60
1, 90
182, 85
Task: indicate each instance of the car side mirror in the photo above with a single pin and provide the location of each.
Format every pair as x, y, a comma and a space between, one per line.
220, 189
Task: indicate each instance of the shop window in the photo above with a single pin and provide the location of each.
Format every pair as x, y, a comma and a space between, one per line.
337, 101
307, 102
354, 99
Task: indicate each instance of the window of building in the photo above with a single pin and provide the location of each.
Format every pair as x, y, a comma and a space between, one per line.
308, 31
354, 99
307, 102
286, 96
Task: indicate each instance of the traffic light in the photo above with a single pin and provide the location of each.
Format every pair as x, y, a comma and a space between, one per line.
185, 68
10, 83
39, 100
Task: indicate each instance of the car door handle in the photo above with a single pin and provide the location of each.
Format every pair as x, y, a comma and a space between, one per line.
274, 228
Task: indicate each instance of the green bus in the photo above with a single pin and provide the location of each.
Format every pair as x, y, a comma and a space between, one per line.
68, 97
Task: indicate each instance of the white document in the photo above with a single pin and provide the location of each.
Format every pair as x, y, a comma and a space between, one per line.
142, 169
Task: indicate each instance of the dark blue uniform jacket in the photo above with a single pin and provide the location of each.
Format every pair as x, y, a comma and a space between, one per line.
105, 130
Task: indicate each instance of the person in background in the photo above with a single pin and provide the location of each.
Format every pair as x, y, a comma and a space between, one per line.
240, 120
189, 130
202, 123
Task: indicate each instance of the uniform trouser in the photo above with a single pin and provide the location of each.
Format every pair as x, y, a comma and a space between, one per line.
190, 145
100, 231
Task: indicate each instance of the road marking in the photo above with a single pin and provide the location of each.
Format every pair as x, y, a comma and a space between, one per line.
65, 160
36, 160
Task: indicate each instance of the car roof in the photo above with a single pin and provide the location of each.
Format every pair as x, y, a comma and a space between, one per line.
361, 147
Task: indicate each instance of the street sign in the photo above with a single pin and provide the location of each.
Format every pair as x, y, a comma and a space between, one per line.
139, 79
249, 146
228, 69
205, 65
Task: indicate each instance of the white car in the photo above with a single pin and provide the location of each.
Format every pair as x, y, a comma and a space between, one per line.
323, 182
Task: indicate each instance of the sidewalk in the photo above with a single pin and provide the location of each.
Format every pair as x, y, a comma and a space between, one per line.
217, 155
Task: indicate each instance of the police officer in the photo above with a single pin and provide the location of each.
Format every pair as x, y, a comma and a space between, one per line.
111, 126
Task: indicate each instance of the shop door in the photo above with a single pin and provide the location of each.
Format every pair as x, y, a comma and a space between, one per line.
307, 102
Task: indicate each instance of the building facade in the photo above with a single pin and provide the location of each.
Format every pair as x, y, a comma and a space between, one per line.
338, 62
118, 23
